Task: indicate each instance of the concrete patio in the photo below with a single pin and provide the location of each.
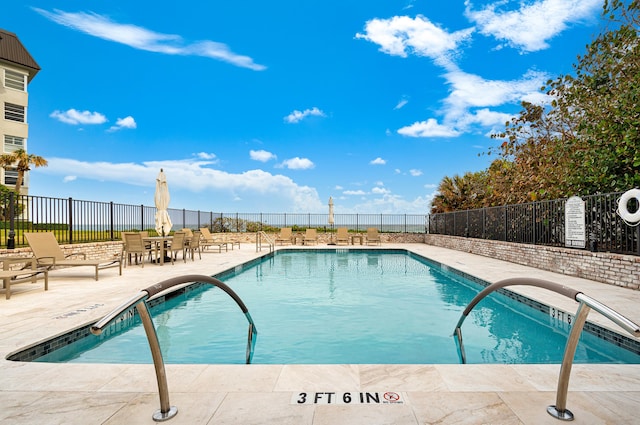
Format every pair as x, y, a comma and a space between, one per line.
42, 393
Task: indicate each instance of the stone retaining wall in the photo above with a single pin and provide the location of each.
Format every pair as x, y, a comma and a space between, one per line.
614, 269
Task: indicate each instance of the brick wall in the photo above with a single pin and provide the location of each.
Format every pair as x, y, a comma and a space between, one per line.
614, 269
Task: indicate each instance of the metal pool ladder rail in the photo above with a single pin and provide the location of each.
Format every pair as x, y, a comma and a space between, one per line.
260, 236
559, 410
167, 411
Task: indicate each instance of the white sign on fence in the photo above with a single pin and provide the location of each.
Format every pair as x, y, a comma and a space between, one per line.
574, 227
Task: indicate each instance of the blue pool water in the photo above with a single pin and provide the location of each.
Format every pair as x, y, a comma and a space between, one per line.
351, 307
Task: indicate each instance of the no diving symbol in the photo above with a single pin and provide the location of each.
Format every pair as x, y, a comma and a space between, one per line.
392, 397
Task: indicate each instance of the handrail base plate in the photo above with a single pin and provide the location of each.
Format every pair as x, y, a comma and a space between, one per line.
158, 416
564, 415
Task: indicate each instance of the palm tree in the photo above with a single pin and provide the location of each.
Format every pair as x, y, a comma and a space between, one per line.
21, 161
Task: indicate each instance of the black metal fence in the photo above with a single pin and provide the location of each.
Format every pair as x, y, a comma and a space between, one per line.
74, 220
543, 223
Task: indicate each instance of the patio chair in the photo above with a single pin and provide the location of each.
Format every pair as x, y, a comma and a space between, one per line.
194, 245
178, 244
285, 236
342, 235
208, 240
49, 255
133, 245
311, 235
373, 236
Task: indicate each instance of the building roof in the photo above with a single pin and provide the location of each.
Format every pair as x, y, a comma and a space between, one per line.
12, 50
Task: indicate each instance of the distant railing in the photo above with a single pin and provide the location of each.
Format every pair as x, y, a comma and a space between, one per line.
74, 221
543, 223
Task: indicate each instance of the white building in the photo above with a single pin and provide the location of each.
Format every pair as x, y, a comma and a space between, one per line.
17, 69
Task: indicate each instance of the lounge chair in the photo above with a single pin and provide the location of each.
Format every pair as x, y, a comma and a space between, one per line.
311, 235
48, 254
134, 245
285, 236
28, 273
342, 235
373, 236
208, 240
226, 237
187, 231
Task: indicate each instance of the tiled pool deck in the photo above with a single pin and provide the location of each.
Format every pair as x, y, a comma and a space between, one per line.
39, 393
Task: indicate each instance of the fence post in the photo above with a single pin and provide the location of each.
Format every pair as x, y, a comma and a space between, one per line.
70, 220
484, 219
506, 221
11, 241
111, 220
141, 217
535, 239
184, 217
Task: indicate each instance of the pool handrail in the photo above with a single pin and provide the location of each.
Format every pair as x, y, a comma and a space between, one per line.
260, 235
138, 301
586, 303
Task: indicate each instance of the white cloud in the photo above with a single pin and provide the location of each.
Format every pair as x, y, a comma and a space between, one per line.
428, 128
469, 90
75, 117
402, 103
402, 35
261, 155
194, 176
354, 192
415, 173
68, 179
529, 27
380, 191
206, 155
127, 122
378, 161
297, 116
485, 118
391, 204
144, 39
297, 163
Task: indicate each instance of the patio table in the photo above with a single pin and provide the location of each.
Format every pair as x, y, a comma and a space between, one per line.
160, 243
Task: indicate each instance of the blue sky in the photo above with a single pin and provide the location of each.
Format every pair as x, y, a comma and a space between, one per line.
256, 106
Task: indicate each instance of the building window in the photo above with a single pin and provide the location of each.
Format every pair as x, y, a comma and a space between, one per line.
10, 176
13, 112
14, 80
13, 143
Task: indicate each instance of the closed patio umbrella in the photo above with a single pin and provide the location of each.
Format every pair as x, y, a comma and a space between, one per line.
331, 211
163, 221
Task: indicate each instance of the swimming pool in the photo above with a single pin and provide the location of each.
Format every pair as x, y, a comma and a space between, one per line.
353, 306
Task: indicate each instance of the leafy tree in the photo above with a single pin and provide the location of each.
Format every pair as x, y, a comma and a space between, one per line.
533, 159
21, 160
460, 192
